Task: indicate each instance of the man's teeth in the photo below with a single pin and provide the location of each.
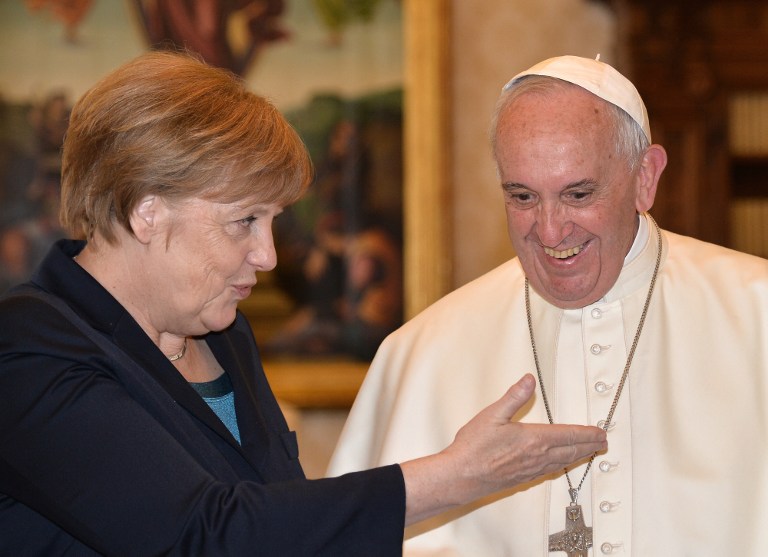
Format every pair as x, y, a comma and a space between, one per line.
562, 254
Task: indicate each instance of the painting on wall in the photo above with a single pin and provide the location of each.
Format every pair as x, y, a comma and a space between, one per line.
333, 67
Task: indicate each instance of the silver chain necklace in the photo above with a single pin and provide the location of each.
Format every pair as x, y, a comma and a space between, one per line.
576, 538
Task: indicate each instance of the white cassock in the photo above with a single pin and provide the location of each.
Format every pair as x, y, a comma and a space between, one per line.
686, 471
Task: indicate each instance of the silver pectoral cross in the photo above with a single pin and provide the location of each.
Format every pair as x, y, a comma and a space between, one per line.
576, 539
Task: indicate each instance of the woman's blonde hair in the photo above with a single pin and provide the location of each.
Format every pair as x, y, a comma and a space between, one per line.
168, 124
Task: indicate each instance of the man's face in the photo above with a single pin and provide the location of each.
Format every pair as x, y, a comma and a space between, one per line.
571, 202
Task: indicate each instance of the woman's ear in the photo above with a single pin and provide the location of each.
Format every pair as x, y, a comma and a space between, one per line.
652, 165
146, 217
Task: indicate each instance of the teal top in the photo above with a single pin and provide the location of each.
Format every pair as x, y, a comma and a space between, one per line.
219, 395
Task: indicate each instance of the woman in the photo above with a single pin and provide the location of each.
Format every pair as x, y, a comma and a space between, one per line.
136, 418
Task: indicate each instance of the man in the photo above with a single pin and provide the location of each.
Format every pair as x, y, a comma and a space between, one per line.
659, 338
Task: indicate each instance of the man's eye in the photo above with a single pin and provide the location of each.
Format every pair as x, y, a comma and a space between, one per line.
580, 195
521, 199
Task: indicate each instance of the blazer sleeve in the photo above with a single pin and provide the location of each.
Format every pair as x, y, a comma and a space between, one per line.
83, 462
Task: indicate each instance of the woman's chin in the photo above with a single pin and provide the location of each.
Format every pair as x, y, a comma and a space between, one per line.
222, 321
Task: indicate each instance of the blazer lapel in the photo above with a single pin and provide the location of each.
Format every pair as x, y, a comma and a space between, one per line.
236, 355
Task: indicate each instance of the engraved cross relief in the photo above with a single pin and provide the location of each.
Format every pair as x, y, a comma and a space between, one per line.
576, 539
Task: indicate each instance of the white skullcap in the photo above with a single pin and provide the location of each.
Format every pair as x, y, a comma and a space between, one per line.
596, 77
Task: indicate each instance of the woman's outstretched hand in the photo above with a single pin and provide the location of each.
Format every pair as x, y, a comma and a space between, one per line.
491, 453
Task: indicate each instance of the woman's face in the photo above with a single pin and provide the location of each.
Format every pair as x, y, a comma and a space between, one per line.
208, 263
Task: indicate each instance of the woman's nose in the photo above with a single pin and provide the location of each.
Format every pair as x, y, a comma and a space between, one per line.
263, 255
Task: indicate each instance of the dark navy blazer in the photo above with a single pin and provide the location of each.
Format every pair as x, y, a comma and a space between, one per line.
105, 448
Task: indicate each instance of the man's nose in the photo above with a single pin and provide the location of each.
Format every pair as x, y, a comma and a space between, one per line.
553, 225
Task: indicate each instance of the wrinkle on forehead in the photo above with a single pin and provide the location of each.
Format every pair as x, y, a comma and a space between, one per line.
552, 134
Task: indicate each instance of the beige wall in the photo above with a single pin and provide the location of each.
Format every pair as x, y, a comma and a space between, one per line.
492, 41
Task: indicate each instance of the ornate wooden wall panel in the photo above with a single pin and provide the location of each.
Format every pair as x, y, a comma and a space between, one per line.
686, 59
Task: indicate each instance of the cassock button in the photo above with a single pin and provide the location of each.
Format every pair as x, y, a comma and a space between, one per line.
602, 387
608, 548
601, 425
596, 313
607, 506
597, 348
606, 466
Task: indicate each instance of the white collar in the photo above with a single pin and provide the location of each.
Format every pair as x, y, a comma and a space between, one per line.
638, 264
641, 239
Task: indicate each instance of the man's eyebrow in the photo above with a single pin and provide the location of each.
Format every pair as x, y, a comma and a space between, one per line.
585, 183
513, 186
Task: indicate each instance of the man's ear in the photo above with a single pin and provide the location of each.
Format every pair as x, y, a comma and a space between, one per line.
652, 165
146, 218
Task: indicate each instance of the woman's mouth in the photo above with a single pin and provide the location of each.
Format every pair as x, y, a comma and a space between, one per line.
243, 291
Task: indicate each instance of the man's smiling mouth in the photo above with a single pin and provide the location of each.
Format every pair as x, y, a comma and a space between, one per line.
564, 253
